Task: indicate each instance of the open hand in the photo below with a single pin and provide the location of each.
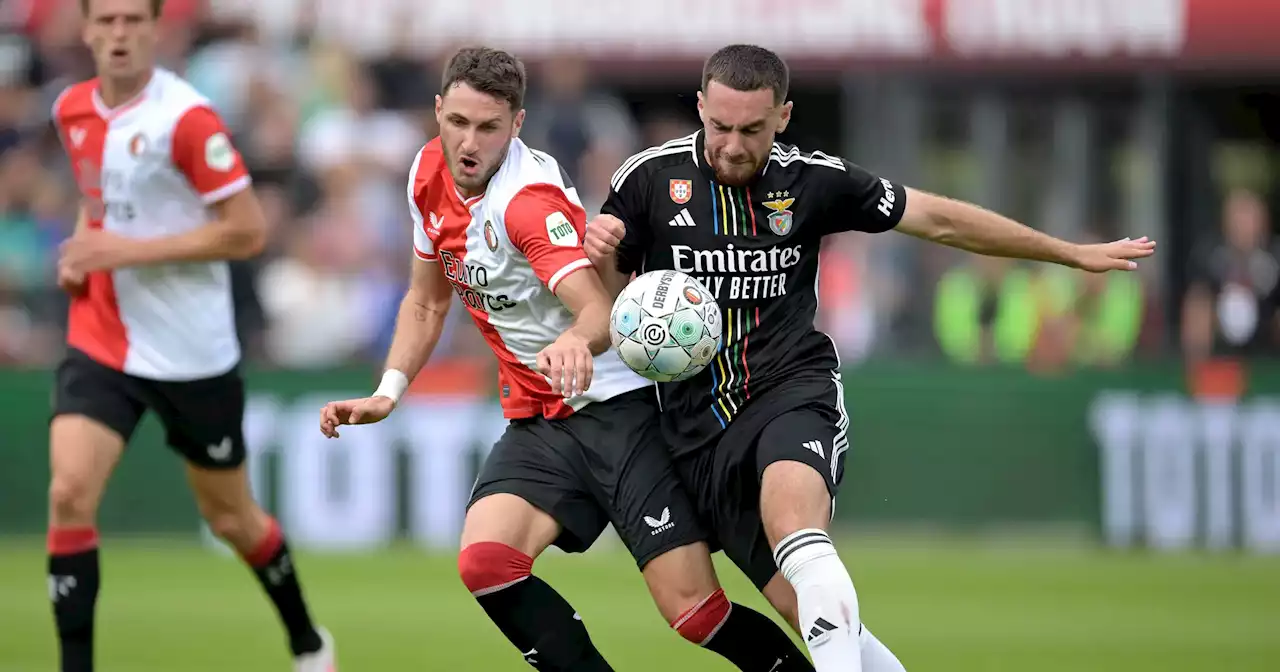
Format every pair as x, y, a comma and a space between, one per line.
604, 233
1115, 256
353, 412
568, 364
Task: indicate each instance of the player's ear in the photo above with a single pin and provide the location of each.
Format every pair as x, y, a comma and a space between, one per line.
784, 116
518, 124
439, 109
702, 104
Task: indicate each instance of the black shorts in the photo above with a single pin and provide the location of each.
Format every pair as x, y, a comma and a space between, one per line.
606, 463
202, 418
805, 422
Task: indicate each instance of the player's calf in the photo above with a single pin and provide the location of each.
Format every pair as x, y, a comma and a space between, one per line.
684, 586
795, 508
501, 537
226, 502
82, 455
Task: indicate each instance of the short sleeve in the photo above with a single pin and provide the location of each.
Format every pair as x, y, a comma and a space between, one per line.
548, 229
203, 152
628, 201
860, 201
422, 247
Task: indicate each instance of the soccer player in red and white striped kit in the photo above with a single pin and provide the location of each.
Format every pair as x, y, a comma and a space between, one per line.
166, 203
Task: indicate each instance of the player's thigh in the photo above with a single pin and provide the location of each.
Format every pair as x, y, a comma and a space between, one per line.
530, 493
203, 419
95, 411
799, 458
632, 474
737, 527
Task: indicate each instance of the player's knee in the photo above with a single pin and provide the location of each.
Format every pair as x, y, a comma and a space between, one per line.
793, 496
71, 500
235, 528
702, 620
680, 578
488, 566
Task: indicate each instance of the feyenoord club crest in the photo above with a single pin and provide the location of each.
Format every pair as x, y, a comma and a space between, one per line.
681, 191
138, 145
490, 236
780, 218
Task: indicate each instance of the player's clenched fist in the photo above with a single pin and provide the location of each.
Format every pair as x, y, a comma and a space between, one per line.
71, 282
353, 412
568, 364
604, 233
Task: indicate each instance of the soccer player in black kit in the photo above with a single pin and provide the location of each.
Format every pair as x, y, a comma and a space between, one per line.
760, 435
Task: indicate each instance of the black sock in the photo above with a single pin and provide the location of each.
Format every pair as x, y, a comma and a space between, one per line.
543, 626
73, 589
273, 566
753, 642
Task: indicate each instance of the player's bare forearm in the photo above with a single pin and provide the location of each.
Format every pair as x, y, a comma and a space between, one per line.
420, 321
614, 281
584, 294
238, 231
974, 229
592, 326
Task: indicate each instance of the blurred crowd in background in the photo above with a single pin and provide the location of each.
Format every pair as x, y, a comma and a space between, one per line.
329, 134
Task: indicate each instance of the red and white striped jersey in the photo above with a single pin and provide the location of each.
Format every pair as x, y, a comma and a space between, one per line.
149, 168
505, 252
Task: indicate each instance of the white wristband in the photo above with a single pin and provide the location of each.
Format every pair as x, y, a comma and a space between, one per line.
392, 386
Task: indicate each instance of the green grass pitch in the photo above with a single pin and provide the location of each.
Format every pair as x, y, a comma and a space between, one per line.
952, 605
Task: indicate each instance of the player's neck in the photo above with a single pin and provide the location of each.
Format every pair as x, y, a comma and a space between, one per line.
116, 91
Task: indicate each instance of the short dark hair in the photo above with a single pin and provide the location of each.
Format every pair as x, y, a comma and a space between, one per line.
486, 70
157, 8
746, 67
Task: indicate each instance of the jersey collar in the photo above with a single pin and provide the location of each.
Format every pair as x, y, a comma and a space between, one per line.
110, 113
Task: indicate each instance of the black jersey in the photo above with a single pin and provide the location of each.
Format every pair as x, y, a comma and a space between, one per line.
756, 249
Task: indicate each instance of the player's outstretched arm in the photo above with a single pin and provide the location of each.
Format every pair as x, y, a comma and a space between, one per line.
969, 227
420, 320
418, 327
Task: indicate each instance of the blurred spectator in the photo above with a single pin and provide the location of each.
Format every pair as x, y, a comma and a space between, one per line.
1087, 319
1231, 305
590, 132
316, 296
985, 312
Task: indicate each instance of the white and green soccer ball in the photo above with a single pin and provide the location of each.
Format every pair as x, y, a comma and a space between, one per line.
666, 326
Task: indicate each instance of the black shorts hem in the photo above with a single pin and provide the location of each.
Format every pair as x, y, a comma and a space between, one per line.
692, 536
570, 540
202, 419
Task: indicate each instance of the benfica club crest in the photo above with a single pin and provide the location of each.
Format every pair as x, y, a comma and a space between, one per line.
780, 218
681, 191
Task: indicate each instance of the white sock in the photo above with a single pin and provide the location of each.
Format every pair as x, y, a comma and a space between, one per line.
876, 657
828, 604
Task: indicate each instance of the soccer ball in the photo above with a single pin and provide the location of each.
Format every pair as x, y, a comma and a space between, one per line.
666, 326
